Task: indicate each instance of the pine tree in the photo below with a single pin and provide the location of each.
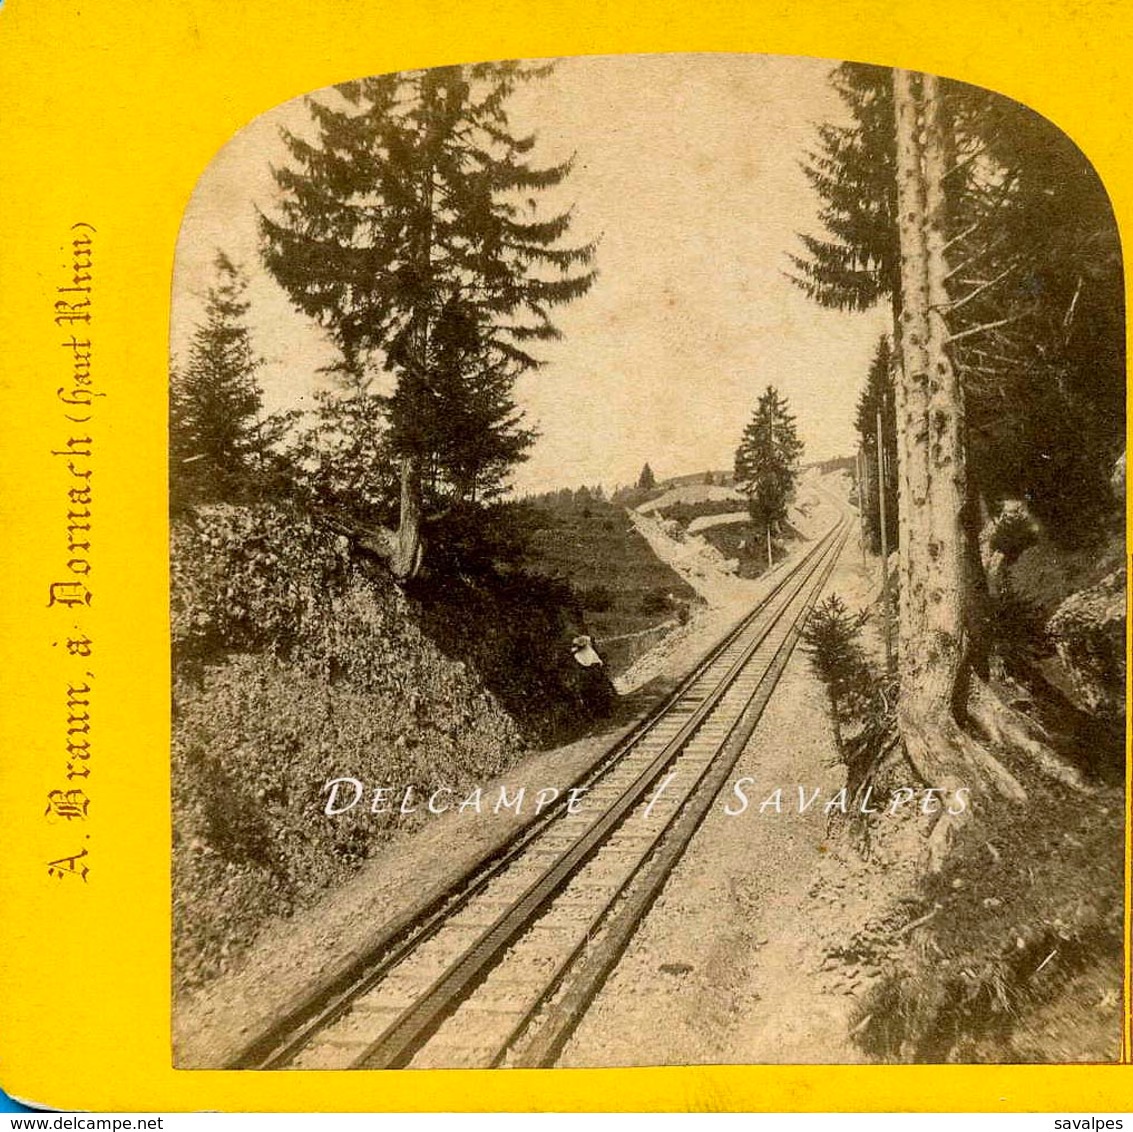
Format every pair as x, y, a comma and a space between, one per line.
855, 263
1036, 307
646, 481
218, 440
410, 231
471, 447
879, 395
831, 635
1035, 293
944, 644
991, 277
767, 461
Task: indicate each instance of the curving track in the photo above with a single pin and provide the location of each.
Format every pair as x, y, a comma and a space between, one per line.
501, 969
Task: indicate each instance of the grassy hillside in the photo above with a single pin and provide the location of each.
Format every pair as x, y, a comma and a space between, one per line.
624, 590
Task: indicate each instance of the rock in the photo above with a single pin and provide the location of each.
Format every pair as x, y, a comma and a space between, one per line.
1088, 630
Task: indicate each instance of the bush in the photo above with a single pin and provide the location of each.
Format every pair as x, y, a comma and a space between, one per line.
654, 601
597, 599
862, 702
831, 636
250, 579
1017, 628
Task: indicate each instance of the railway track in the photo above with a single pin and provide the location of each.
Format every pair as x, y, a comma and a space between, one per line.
500, 969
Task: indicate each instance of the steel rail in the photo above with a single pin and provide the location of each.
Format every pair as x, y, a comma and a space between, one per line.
608, 936
277, 1043
413, 1027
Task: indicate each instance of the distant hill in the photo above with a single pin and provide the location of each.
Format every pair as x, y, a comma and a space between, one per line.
694, 493
719, 479
837, 464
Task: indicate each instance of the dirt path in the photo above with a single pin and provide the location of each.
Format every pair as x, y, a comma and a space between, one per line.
726, 597
212, 1023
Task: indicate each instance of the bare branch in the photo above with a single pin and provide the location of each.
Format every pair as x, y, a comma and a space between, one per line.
965, 161
956, 304
983, 253
963, 235
918, 922
1069, 317
984, 328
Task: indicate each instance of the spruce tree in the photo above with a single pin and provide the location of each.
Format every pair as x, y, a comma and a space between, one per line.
647, 481
855, 263
410, 230
1035, 297
218, 441
767, 461
1036, 311
879, 395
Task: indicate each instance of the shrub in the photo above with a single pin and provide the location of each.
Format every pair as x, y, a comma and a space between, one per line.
597, 599
862, 702
250, 579
831, 636
654, 601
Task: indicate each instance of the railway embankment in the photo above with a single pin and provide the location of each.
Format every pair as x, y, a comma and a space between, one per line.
291, 955
290, 960
296, 664
745, 957
791, 934
787, 931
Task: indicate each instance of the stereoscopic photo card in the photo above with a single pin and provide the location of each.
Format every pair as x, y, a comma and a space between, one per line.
584, 542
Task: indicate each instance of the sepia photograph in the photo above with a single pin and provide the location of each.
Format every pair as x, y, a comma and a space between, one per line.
647, 575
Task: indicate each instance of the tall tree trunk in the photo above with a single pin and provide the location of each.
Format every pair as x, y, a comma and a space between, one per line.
408, 550
936, 600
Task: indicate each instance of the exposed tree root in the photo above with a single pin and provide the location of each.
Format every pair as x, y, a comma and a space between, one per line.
945, 756
402, 551
1011, 729
877, 763
937, 751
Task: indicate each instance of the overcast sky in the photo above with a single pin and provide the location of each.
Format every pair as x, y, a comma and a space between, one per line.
687, 171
